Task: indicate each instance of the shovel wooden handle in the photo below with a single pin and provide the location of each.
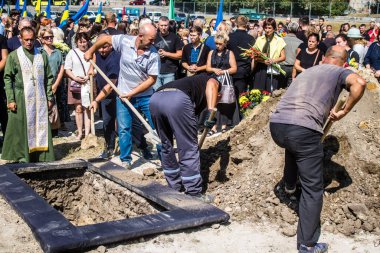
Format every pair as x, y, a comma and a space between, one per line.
92, 99
126, 101
205, 131
329, 122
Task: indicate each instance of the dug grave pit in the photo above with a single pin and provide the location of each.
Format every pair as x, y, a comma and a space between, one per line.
72, 206
86, 198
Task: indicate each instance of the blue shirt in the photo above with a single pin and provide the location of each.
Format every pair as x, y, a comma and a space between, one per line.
110, 65
372, 56
210, 42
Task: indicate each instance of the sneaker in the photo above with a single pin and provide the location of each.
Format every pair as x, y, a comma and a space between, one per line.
204, 198
290, 189
127, 165
318, 248
146, 154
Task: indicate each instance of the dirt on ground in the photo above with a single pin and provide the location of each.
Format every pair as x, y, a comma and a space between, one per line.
243, 169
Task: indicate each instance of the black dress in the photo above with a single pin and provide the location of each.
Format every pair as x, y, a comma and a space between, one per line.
227, 114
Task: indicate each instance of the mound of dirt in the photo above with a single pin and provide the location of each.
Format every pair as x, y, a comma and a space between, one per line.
244, 168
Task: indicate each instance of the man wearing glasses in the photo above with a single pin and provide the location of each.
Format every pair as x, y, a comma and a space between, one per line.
28, 86
139, 67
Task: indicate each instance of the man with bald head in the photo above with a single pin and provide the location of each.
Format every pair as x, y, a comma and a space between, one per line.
296, 125
15, 42
139, 67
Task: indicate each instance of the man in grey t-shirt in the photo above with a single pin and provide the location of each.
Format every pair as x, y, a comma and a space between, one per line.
139, 68
296, 125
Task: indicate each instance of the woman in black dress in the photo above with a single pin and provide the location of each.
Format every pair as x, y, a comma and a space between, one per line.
218, 61
309, 56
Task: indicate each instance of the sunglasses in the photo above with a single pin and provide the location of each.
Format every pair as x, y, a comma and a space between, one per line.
48, 37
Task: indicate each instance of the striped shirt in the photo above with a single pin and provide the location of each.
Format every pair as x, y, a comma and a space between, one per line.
135, 69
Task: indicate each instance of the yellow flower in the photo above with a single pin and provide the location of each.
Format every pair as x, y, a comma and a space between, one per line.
242, 100
265, 98
255, 92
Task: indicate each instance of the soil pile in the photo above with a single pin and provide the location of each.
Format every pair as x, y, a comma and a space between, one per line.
244, 168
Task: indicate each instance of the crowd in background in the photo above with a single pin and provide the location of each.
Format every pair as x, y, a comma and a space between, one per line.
187, 50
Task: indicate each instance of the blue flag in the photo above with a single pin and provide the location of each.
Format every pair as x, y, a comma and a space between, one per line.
17, 7
219, 17
82, 11
48, 10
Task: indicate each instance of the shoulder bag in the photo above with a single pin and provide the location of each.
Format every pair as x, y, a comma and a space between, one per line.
227, 91
76, 87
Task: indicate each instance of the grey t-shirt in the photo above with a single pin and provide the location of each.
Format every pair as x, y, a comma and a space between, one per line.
134, 68
310, 97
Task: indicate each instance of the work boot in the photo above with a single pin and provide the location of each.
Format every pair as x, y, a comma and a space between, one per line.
290, 189
318, 248
204, 198
147, 154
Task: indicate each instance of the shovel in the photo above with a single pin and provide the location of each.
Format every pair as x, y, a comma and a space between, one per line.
92, 99
329, 122
205, 131
151, 135
91, 140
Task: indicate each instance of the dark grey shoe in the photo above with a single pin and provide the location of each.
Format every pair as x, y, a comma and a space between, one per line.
318, 248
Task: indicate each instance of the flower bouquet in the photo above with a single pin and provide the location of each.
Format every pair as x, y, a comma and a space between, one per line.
254, 52
248, 100
282, 33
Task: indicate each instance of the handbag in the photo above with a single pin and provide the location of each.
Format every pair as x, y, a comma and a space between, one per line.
74, 86
227, 91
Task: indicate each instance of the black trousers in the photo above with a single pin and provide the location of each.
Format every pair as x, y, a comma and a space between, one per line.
108, 106
3, 113
303, 157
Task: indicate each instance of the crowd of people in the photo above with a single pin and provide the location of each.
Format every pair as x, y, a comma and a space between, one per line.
174, 75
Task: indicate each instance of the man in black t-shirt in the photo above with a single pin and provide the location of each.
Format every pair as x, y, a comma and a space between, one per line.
169, 47
239, 40
174, 109
194, 54
111, 24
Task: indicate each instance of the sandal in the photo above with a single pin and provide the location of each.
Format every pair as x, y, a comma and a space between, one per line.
211, 133
224, 130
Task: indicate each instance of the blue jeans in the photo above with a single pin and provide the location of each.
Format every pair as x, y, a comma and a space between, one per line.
163, 79
125, 116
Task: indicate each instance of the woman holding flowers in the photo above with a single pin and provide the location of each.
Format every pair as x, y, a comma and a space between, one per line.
266, 75
219, 61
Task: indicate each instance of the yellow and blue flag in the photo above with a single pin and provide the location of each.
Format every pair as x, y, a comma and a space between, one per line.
65, 15
24, 12
99, 14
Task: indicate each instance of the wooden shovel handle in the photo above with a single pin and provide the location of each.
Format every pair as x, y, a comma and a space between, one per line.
326, 128
205, 131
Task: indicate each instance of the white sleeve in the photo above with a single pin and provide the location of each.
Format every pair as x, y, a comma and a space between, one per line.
69, 60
